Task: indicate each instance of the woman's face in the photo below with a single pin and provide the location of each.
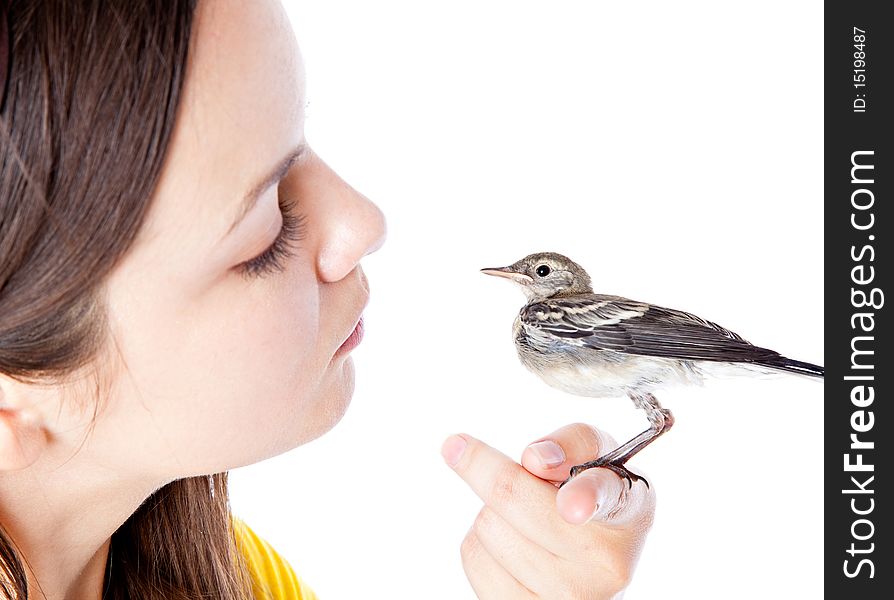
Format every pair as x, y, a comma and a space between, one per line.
232, 316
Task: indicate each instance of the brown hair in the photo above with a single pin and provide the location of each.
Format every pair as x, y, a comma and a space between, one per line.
93, 90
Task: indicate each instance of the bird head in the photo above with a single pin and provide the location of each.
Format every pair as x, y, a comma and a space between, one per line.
544, 275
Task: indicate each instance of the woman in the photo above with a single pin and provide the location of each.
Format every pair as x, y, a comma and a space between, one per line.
180, 292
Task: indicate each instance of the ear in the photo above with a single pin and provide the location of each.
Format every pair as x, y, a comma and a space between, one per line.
22, 436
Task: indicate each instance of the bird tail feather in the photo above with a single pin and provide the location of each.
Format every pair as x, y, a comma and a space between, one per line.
794, 366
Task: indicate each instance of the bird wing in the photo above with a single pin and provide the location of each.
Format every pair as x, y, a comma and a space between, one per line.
604, 322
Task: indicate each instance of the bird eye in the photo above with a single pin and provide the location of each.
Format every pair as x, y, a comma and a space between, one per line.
542, 271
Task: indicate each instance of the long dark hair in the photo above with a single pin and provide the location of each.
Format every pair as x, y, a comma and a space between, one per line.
93, 90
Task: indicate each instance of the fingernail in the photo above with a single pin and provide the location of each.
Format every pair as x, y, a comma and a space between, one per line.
549, 453
452, 450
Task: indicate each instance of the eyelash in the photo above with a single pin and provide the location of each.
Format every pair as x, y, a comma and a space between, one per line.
272, 260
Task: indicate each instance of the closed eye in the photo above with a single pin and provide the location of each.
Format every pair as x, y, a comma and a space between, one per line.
273, 259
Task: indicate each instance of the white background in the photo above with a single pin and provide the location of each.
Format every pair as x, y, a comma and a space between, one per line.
675, 150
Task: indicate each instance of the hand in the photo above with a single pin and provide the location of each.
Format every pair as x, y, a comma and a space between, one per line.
533, 540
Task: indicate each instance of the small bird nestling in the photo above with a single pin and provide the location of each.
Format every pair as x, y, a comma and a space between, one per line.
601, 346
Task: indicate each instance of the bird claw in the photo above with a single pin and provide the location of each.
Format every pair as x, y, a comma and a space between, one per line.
616, 467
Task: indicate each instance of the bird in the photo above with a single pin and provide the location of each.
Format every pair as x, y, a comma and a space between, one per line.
599, 345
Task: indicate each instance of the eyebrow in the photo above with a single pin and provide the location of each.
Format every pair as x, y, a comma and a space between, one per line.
272, 178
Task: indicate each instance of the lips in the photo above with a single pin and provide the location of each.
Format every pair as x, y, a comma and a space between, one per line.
352, 340
358, 297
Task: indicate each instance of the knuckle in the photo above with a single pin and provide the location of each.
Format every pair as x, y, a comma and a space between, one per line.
616, 572
619, 576
567, 589
470, 548
601, 585
484, 522
503, 488
591, 440
581, 589
609, 567
590, 436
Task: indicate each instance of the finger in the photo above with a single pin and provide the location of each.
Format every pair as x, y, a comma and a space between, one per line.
551, 457
487, 576
600, 495
526, 502
533, 566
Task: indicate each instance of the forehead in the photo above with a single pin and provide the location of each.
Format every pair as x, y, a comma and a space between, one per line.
241, 111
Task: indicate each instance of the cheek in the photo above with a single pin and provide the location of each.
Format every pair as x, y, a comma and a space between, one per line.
226, 378
264, 345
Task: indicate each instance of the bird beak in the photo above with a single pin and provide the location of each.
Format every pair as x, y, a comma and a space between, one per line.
508, 273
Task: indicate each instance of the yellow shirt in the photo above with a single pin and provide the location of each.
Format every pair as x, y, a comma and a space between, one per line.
271, 576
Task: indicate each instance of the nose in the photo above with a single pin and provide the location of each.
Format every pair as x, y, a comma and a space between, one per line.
353, 226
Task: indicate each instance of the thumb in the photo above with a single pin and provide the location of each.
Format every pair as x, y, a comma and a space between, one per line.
600, 495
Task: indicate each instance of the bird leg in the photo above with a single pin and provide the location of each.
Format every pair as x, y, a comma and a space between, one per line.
660, 420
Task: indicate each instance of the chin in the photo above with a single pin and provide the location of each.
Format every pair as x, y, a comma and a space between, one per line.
310, 417
332, 402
